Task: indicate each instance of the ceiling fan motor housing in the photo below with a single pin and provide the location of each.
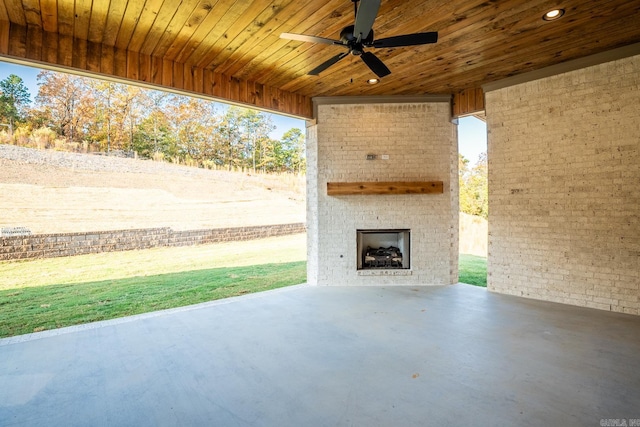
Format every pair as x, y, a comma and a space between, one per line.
348, 38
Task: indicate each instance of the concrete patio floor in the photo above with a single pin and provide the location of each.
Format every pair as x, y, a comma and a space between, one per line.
332, 356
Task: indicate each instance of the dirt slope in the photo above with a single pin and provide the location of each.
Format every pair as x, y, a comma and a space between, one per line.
48, 192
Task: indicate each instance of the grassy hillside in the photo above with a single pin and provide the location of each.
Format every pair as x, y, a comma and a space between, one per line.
50, 192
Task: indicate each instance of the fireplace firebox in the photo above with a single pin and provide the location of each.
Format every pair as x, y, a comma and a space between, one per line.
383, 249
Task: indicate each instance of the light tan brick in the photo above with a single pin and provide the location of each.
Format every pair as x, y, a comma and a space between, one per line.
563, 169
421, 144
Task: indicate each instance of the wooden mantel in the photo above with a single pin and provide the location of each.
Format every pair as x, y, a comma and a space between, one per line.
389, 187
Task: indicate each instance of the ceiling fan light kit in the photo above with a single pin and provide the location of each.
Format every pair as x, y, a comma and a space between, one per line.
359, 36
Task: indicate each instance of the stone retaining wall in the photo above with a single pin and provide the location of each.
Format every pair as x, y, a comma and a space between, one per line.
70, 244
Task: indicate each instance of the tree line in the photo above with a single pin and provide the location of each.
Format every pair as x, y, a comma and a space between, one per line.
74, 113
474, 187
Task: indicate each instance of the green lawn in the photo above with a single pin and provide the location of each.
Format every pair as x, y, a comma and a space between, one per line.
473, 270
34, 309
51, 293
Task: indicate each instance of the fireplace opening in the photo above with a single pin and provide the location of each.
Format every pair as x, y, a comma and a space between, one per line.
383, 249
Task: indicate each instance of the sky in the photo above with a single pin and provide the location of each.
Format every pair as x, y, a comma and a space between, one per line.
472, 133
472, 138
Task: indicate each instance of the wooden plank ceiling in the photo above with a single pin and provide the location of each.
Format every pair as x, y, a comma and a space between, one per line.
232, 49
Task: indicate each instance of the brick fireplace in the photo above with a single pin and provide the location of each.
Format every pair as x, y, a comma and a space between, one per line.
384, 141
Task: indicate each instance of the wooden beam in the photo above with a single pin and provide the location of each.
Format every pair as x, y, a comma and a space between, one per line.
391, 187
20, 42
468, 102
4, 36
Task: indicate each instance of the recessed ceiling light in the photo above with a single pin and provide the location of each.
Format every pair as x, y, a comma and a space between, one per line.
373, 81
554, 14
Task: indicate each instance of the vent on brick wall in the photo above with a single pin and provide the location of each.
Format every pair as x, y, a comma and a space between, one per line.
14, 231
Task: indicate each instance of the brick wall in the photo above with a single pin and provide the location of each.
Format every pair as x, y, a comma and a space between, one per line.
313, 236
69, 244
564, 187
421, 143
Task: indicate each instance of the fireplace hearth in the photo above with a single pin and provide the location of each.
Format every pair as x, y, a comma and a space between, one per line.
387, 249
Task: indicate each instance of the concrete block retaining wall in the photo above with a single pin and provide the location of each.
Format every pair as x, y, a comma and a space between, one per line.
70, 244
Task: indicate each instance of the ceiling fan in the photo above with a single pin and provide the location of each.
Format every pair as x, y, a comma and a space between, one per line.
360, 35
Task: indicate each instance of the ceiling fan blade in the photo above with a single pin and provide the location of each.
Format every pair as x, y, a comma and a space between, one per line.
407, 40
320, 68
375, 64
367, 12
305, 38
